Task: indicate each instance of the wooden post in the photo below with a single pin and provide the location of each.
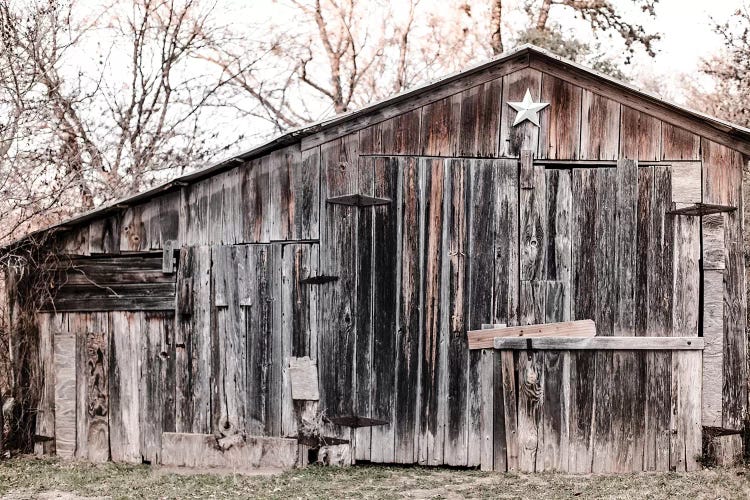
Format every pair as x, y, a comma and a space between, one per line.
488, 403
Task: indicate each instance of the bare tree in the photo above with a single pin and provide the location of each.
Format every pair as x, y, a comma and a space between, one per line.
342, 55
99, 105
726, 93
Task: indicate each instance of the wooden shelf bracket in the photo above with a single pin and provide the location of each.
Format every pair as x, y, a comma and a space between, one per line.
358, 200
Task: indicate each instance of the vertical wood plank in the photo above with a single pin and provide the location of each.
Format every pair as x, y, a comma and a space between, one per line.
306, 189
713, 352
124, 378
482, 193
432, 424
408, 334
584, 244
65, 395
93, 415
558, 240
640, 136
398, 135
625, 249
525, 135
386, 237
679, 144
456, 446
49, 323
686, 271
506, 420
506, 248
533, 224
227, 274
155, 326
192, 366
600, 127
440, 125
722, 183
643, 247
560, 125
480, 120
338, 300
661, 277
258, 318
530, 393
657, 422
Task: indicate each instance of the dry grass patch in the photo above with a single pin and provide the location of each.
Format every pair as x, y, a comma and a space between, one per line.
22, 478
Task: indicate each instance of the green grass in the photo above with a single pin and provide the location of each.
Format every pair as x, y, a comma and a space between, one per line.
29, 477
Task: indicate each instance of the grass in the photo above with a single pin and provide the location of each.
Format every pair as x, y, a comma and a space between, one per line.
30, 478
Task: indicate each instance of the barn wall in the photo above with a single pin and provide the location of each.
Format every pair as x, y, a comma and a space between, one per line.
488, 223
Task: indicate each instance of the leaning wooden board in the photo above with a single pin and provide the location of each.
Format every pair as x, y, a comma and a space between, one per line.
485, 339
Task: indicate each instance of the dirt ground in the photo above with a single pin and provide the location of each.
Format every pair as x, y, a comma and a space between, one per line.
27, 478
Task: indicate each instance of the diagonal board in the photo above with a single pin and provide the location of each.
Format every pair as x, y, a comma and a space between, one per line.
485, 339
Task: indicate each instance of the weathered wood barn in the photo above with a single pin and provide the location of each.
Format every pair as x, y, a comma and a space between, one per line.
314, 295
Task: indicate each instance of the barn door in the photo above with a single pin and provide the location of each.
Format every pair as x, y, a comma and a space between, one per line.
599, 243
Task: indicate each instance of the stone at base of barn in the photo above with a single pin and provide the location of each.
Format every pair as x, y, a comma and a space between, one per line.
723, 449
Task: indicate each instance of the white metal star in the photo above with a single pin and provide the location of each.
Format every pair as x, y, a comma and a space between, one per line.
527, 109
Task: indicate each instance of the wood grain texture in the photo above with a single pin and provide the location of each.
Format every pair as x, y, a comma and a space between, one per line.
398, 135
338, 300
640, 135
303, 373
157, 328
408, 336
432, 417
525, 135
480, 120
193, 341
479, 310
65, 394
457, 427
48, 324
533, 221
601, 343
246, 454
92, 419
560, 126
126, 335
713, 242
679, 144
386, 229
600, 125
440, 127
687, 182
558, 242
625, 246
484, 339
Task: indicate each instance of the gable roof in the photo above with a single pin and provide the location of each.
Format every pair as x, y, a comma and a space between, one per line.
722, 131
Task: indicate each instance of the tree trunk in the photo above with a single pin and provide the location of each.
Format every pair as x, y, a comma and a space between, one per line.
496, 27
2, 427
541, 21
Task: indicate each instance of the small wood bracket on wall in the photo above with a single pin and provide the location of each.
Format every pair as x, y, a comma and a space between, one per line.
318, 280
699, 209
355, 421
358, 200
168, 260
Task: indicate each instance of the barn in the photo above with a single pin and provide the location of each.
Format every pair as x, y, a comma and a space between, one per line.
523, 266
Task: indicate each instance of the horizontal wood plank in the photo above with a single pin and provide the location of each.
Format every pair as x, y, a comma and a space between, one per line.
236, 452
602, 343
484, 339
